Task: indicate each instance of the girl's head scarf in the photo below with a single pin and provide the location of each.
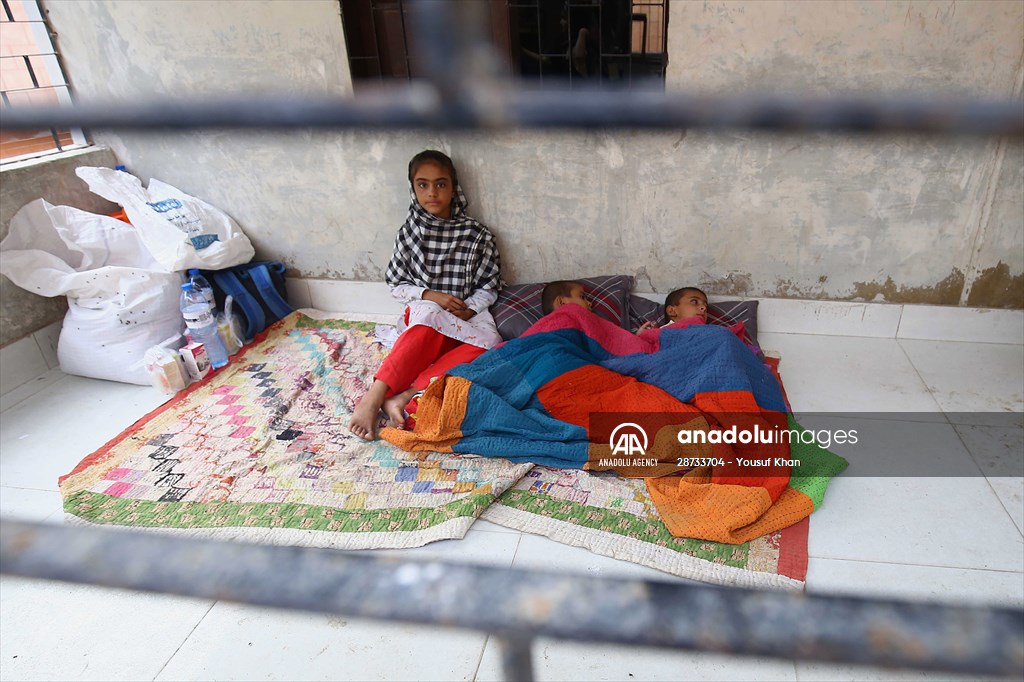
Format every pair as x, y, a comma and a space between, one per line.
456, 256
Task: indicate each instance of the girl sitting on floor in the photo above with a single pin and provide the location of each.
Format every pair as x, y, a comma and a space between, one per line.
446, 267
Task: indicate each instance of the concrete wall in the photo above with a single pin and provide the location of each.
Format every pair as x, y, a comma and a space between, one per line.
22, 312
895, 218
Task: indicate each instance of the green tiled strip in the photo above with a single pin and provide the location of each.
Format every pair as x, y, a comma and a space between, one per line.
307, 322
624, 524
98, 508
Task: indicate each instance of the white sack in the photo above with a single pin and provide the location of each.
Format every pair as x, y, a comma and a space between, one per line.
120, 302
180, 231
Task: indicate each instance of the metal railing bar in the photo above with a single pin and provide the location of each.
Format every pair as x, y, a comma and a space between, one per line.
516, 658
449, 64
405, 39
376, 43
31, 74
540, 32
56, 139
56, 86
520, 605
34, 54
418, 105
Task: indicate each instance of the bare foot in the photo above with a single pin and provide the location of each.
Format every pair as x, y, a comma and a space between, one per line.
363, 422
394, 407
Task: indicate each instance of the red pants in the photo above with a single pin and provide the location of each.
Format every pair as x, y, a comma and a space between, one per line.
419, 355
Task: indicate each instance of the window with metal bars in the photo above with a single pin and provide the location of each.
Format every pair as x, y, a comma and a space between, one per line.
31, 74
616, 42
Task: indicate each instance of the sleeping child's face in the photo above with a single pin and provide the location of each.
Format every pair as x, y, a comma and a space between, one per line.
576, 296
691, 304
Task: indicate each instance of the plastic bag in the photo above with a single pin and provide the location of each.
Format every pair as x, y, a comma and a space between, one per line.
166, 369
180, 231
120, 301
229, 326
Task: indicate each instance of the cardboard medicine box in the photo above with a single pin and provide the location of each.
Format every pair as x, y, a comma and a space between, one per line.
197, 362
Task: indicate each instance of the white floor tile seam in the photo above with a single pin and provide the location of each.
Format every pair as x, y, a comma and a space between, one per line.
982, 361
184, 640
981, 471
973, 343
515, 552
55, 515
974, 459
829, 336
1006, 509
883, 338
483, 651
4, 486
37, 488
916, 564
1009, 419
917, 370
1001, 571
882, 416
49, 378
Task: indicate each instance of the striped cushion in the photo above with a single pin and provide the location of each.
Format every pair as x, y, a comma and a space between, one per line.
519, 306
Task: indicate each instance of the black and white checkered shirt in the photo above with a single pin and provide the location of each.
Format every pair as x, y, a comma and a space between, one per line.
455, 256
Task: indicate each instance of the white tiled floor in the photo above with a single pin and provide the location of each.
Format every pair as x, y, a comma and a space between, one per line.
932, 538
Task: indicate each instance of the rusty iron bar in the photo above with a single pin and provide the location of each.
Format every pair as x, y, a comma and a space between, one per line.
419, 105
519, 605
516, 658
463, 89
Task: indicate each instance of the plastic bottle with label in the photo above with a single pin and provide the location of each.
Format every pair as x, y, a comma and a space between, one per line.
199, 282
202, 324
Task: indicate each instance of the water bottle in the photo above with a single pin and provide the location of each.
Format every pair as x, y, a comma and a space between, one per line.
200, 283
202, 324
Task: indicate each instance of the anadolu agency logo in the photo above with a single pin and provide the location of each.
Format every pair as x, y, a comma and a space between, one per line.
628, 440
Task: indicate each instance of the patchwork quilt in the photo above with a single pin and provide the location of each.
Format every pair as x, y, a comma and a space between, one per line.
259, 451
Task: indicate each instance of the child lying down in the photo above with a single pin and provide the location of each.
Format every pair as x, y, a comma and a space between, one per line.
683, 307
